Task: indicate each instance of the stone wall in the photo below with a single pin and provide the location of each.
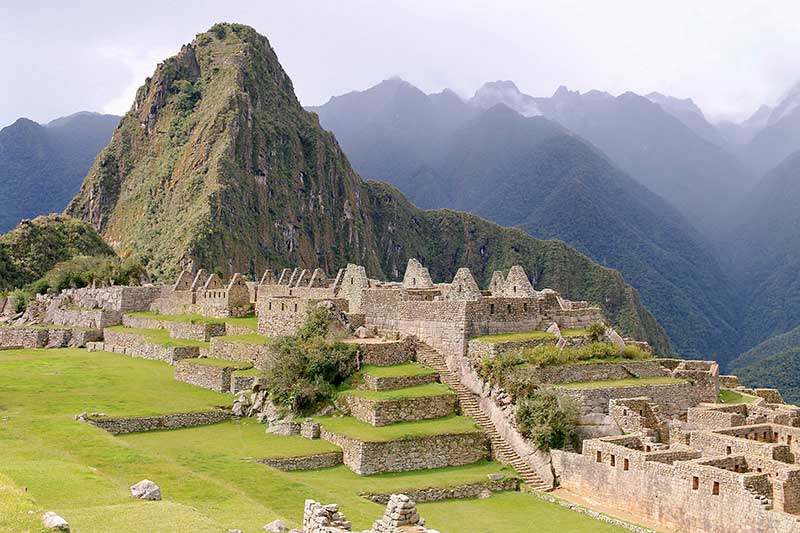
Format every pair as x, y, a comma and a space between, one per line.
381, 413
383, 352
47, 337
125, 299
121, 425
379, 383
142, 322
135, 346
85, 318
210, 377
436, 451
457, 492
306, 462
280, 316
195, 332
673, 399
239, 351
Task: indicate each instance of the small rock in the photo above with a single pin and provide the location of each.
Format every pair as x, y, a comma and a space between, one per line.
496, 477
276, 526
362, 332
235, 531
146, 490
83, 416
52, 521
484, 494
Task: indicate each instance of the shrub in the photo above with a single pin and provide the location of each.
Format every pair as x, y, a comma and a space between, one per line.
596, 331
548, 419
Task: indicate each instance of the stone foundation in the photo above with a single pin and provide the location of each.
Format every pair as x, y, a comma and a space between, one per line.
307, 462
47, 337
210, 377
380, 383
382, 352
384, 412
195, 332
86, 318
239, 351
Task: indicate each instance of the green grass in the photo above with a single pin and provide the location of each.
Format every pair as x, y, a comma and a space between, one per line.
248, 372
248, 322
250, 338
356, 429
220, 363
208, 475
403, 369
418, 391
734, 397
499, 338
159, 336
615, 383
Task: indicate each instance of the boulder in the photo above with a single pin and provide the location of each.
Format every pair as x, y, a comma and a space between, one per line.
484, 494
362, 332
276, 526
146, 490
554, 329
615, 339
52, 521
496, 477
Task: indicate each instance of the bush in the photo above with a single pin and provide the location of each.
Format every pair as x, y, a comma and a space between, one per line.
548, 419
596, 331
306, 368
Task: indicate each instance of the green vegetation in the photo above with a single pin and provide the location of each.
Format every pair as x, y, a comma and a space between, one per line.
220, 363
248, 372
352, 427
615, 383
307, 368
404, 369
208, 474
596, 331
499, 338
159, 336
247, 322
251, 338
548, 419
418, 391
775, 363
733, 397
29, 251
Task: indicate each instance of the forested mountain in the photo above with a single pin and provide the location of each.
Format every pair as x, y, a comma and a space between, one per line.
531, 173
774, 363
42, 166
685, 110
217, 165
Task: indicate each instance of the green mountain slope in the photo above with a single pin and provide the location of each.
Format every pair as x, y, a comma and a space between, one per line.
41, 166
35, 246
218, 165
774, 363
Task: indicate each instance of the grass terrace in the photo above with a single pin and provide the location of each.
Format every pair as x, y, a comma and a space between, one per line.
220, 363
404, 369
250, 338
734, 397
418, 391
356, 429
159, 336
499, 338
247, 322
248, 372
619, 383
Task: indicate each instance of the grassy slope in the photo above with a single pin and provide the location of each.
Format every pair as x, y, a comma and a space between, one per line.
159, 336
528, 336
731, 396
83, 473
220, 363
31, 249
357, 429
404, 369
614, 383
418, 391
248, 322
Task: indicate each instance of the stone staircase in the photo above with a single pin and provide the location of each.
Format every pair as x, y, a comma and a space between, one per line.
501, 449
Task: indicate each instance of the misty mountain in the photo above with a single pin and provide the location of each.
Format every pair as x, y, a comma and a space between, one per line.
741, 133
685, 110
532, 173
779, 138
505, 92
42, 166
774, 363
695, 175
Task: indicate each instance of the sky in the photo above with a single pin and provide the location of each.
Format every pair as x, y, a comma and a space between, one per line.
729, 56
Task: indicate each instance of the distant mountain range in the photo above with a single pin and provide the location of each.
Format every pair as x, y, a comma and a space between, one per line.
42, 166
531, 173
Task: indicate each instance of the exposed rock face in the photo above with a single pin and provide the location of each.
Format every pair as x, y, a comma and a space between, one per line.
146, 490
51, 520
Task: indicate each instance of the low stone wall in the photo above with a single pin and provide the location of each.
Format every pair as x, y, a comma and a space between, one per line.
598, 371
121, 298
457, 492
479, 349
232, 329
239, 351
135, 346
141, 322
435, 451
307, 462
673, 399
382, 383
195, 332
240, 383
121, 425
381, 413
381, 352
20, 337
47, 337
85, 318
210, 377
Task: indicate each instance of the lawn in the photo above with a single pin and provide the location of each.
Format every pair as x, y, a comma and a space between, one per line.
220, 363
250, 338
208, 476
403, 369
616, 383
159, 336
418, 391
247, 322
732, 396
248, 372
499, 338
354, 428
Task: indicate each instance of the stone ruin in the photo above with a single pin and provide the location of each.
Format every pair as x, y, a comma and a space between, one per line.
401, 516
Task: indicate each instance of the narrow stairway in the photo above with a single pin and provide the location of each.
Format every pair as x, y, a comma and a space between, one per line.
501, 449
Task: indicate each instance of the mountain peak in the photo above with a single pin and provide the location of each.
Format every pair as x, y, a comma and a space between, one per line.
505, 92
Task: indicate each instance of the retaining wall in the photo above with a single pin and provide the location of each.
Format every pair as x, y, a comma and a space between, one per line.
382, 383
307, 462
121, 425
381, 413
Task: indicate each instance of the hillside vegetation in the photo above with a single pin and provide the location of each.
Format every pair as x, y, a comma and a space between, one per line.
219, 166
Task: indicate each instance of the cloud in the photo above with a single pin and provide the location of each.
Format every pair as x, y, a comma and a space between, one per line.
139, 63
